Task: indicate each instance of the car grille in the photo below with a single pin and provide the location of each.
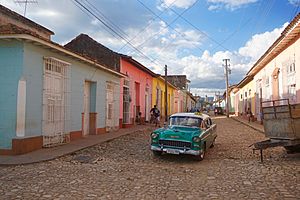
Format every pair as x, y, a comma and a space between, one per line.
172, 143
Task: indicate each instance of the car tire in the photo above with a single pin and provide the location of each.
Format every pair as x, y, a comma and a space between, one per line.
202, 154
213, 143
157, 153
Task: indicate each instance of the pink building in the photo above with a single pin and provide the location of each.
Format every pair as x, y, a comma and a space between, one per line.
135, 90
179, 101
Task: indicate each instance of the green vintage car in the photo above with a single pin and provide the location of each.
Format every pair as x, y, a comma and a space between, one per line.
187, 133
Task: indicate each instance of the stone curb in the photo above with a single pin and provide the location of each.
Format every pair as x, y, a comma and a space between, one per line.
58, 155
248, 124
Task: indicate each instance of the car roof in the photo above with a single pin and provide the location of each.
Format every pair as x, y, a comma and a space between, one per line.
196, 115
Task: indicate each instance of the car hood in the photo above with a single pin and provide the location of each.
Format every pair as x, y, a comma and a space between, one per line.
181, 133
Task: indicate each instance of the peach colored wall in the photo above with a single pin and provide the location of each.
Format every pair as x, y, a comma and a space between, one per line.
289, 55
135, 75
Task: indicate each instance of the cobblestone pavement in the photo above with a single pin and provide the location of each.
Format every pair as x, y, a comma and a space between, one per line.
125, 168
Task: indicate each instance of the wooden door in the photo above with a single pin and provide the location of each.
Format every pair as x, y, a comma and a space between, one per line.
86, 108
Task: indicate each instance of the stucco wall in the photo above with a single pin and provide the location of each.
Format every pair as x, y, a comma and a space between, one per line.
245, 102
290, 54
79, 74
11, 62
159, 83
136, 75
25, 60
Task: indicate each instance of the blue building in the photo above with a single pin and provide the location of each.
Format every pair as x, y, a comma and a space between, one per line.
48, 94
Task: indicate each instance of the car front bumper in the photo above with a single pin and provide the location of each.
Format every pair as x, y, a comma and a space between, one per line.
180, 151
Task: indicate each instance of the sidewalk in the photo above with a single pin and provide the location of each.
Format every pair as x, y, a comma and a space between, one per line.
56, 152
255, 125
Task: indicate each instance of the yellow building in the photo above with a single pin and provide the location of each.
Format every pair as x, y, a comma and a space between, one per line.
158, 95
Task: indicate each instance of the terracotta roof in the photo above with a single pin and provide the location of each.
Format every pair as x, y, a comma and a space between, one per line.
138, 65
13, 29
85, 45
244, 81
24, 20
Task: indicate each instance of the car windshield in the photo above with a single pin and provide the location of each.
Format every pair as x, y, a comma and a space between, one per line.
185, 121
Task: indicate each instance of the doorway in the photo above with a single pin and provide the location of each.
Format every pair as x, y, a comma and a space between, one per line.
110, 113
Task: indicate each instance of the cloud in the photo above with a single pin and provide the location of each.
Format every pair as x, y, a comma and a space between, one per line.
259, 43
228, 4
205, 71
204, 91
177, 3
295, 2
160, 43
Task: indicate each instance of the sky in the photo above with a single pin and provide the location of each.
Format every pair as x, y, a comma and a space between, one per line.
191, 37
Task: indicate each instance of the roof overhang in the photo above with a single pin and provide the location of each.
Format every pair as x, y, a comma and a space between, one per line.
290, 35
138, 65
245, 81
59, 49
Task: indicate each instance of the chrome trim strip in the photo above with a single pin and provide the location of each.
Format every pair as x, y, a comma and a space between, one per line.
181, 151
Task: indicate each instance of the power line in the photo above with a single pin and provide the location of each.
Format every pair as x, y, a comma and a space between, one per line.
234, 32
143, 29
115, 32
295, 12
187, 21
266, 11
181, 34
168, 25
106, 18
91, 16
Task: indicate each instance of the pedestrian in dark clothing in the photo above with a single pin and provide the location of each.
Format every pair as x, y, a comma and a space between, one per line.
249, 115
155, 113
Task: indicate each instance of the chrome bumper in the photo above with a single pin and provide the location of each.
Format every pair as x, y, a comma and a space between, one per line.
181, 151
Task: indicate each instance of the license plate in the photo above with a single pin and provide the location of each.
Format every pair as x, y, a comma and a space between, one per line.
172, 151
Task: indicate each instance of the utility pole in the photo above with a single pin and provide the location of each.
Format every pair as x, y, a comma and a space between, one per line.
227, 85
166, 94
219, 98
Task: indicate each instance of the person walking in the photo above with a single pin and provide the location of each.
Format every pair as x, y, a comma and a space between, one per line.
249, 115
155, 113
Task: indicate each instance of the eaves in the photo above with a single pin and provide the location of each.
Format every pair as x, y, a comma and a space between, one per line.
59, 49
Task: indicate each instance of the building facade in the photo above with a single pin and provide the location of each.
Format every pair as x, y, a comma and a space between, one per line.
276, 73
50, 95
158, 95
136, 90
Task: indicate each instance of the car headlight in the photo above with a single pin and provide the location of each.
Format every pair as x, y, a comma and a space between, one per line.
154, 135
196, 139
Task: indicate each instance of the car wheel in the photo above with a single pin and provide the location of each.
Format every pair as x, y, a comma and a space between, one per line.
157, 153
202, 154
213, 143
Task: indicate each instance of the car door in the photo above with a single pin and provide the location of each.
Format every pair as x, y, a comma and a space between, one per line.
205, 137
209, 132
213, 131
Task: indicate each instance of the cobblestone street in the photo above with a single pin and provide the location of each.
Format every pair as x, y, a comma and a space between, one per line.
125, 168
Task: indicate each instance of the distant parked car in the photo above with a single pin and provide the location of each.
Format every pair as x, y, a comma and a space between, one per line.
219, 111
187, 133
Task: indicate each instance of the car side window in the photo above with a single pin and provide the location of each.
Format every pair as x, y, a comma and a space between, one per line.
210, 121
207, 123
203, 125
